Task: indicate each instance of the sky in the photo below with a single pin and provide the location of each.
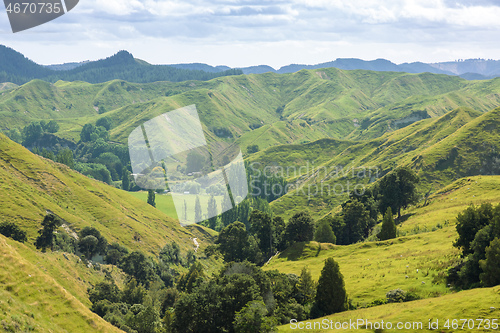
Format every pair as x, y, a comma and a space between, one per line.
240, 33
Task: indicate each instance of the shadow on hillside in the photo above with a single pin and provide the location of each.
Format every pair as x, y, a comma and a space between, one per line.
298, 250
403, 218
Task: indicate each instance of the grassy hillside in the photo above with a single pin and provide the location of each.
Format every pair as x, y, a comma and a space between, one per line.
471, 304
373, 268
416, 262
31, 299
47, 292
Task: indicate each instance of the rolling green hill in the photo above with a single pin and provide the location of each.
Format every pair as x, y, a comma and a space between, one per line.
461, 143
265, 109
471, 304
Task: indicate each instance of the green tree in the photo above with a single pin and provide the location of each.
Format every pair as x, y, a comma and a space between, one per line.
65, 156
253, 319
190, 257
398, 190
115, 253
139, 266
52, 127
212, 212
235, 244
300, 228
331, 296
46, 235
188, 281
261, 226
171, 254
102, 243
15, 135
491, 265
388, 230
112, 163
252, 149
144, 318
134, 293
125, 179
104, 122
9, 229
32, 133
469, 222
151, 198
86, 132
324, 232
88, 246
357, 222
306, 288
105, 290
197, 210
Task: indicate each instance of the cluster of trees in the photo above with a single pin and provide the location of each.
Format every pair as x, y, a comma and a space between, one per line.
359, 214
241, 297
262, 237
33, 132
478, 229
94, 156
12, 230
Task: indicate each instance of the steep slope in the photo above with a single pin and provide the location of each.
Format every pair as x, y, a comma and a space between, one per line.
47, 292
32, 185
32, 300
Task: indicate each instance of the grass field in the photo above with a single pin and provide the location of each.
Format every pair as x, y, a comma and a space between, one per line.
165, 203
471, 304
416, 263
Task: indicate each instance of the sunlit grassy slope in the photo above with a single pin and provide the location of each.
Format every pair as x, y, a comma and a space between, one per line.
43, 295
471, 304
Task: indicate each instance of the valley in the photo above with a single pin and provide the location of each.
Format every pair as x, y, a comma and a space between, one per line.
323, 133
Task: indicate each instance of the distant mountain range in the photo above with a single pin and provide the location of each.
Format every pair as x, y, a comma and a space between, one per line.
471, 69
16, 68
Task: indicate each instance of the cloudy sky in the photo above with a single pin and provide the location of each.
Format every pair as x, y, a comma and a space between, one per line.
276, 32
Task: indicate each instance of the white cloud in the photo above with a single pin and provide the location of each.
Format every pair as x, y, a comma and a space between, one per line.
281, 31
